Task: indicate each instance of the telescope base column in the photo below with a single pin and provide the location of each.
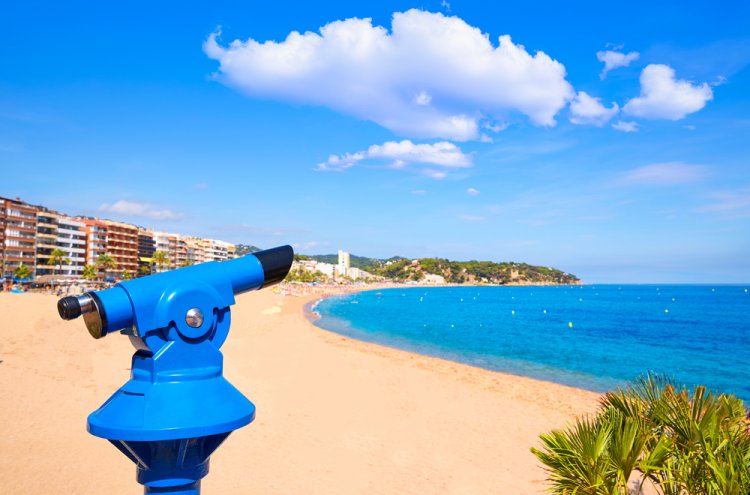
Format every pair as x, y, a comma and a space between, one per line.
189, 489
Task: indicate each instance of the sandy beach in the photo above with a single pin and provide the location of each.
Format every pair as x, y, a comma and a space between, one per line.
334, 416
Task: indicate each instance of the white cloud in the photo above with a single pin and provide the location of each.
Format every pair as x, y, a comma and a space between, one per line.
431, 76
402, 155
732, 201
419, 192
664, 97
470, 218
144, 210
423, 99
472, 192
665, 174
496, 126
613, 59
588, 110
434, 174
625, 126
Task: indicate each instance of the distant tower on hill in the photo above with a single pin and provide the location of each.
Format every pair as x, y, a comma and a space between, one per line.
343, 266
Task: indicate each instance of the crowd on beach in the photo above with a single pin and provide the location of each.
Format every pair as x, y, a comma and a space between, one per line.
67, 289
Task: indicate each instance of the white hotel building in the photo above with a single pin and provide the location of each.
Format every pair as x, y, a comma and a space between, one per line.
56, 231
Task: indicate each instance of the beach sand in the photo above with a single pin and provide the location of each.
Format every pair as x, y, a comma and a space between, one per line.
334, 416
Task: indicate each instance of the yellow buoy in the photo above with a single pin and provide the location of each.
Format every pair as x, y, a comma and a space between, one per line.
570, 324
512, 311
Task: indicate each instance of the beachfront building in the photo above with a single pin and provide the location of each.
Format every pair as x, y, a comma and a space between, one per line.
96, 239
56, 231
327, 269
343, 266
195, 251
146, 250
219, 250
17, 236
122, 245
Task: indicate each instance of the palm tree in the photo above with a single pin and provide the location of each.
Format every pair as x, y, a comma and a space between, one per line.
656, 432
105, 262
160, 259
89, 272
57, 259
127, 275
22, 272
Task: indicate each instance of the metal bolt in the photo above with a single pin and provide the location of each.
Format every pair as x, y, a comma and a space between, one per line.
194, 318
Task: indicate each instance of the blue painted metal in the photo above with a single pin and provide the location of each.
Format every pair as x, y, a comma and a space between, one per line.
177, 407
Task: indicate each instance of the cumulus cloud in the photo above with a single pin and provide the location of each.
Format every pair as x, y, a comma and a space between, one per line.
144, 210
472, 192
665, 174
404, 154
665, 97
614, 59
588, 110
431, 76
625, 126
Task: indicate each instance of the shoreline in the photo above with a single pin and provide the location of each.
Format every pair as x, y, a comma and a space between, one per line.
308, 310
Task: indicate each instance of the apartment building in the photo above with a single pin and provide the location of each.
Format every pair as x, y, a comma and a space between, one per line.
122, 245
146, 250
343, 266
56, 231
30, 234
17, 235
166, 242
96, 239
195, 251
219, 250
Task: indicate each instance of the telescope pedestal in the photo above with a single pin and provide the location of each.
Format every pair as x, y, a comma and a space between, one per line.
190, 489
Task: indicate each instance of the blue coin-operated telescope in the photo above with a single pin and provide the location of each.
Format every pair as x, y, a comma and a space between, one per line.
177, 407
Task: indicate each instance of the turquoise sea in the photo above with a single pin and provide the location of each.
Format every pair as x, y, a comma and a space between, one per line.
593, 336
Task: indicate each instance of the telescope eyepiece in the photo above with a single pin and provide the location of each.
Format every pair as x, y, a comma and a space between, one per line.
71, 307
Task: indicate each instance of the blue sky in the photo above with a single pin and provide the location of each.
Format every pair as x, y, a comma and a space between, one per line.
418, 133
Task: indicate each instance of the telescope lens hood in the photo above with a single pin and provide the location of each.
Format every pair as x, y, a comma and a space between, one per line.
276, 263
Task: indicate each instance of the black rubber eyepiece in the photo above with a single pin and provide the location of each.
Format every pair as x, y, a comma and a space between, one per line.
276, 263
69, 308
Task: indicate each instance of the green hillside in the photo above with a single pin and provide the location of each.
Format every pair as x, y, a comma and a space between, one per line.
469, 272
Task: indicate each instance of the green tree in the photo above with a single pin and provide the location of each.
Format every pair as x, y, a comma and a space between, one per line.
22, 271
160, 259
89, 272
106, 263
144, 270
681, 442
127, 275
186, 263
57, 259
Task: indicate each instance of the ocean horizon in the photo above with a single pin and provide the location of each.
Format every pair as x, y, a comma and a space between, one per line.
595, 337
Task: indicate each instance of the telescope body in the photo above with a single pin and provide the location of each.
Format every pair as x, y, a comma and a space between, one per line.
177, 407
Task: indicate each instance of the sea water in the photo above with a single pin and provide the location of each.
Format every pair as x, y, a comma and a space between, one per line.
593, 337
